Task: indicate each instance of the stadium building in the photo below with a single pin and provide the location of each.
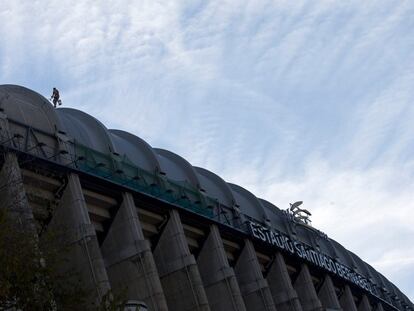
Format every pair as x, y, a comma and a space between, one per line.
178, 237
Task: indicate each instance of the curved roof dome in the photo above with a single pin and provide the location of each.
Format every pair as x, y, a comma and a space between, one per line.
136, 149
215, 187
248, 203
343, 254
86, 129
275, 215
28, 107
177, 168
326, 246
361, 265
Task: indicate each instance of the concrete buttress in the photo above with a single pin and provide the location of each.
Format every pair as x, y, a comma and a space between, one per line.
254, 288
218, 277
177, 268
306, 290
347, 300
280, 284
364, 304
379, 307
72, 218
12, 192
128, 258
327, 295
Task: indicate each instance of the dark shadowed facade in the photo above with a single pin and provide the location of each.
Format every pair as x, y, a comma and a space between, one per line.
176, 236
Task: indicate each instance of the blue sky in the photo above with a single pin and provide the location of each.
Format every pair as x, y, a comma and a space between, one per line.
293, 100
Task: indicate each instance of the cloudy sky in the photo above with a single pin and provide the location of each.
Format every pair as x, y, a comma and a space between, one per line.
293, 100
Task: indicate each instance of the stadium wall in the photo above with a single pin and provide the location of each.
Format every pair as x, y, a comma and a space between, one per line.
175, 236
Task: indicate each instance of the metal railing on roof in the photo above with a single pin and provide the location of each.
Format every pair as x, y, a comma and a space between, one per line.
116, 168
120, 170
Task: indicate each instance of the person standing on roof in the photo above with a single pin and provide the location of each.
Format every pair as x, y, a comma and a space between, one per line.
55, 97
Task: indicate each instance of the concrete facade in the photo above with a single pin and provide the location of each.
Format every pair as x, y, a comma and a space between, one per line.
347, 300
168, 277
327, 295
253, 286
218, 277
364, 304
177, 268
12, 190
283, 293
129, 260
71, 216
306, 290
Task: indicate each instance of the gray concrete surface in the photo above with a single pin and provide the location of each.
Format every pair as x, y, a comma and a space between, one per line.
12, 191
379, 307
364, 304
129, 261
280, 284
327, 295
218, 277
253, 286
177, 268
306, 290
71, 218
347, 300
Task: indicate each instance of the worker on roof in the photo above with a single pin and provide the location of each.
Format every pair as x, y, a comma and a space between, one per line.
56, 97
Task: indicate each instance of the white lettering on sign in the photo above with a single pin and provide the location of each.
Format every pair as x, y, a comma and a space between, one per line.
306, 252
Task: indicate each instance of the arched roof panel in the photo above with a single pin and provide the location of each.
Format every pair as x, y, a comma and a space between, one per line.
326, 246
177, 168
136, 149
86, 129
275, 215
248, 203
361, 265
342, 254
215, 186
26, 106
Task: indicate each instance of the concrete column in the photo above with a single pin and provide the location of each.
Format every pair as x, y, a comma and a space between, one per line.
12, 192
284, 296
364, 304
218, 277
347, 300
86, 264
177, 268
128, 258
379, 307
327, 295
306, 290
253, 286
